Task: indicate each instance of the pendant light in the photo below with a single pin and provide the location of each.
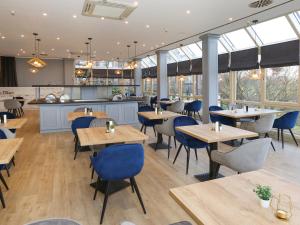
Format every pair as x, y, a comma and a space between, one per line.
118, 71
256, 72
35, 61
128, 66
79, 72
134, 63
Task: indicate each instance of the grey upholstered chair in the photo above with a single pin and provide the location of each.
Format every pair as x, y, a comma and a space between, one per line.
54, 222
167, 128
176, 107
80, 109
147, 100
13, 106
261, 126
245, 158
97, 148
182, 223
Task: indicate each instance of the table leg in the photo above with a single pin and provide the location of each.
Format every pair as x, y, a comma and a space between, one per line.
209, 176
159, 144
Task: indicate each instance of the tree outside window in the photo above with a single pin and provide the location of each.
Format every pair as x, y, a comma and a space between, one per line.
247, 89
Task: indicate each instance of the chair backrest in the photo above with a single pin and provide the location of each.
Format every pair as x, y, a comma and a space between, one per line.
2, 134
12, 104
97, 122
194, 106
80, 109
153, 100
8, 115
265, 123
250, 156
182, 121
287, 121
215, 118
118, 162
81, 122
147, 100
144, 109
176, 107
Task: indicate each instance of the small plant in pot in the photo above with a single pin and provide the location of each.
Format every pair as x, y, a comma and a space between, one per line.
265, 194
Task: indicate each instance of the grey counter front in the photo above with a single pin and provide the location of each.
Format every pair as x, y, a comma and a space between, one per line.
53, 116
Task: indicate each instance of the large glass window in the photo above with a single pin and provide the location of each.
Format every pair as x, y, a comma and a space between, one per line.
273, 31
247, 88
240, 39
198, 84
295, 17
178, 54
187, 86
147, 86
173, 86
148, 62
154, 86
282, 84
224, 86
192, 51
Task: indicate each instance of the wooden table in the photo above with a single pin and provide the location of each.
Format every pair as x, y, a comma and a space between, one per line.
74, 115
8, 148
163, 116
205, 133
14, 123
240, 113
231, 200
98, 136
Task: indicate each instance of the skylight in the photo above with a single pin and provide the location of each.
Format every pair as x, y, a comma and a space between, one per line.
178, 54
192, 51
295, 17
148, 62
170, 59
240, 40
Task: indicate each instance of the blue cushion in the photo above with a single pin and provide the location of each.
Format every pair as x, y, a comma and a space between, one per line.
2, 135
287, 121
163, 105
184, 138
222, 119
143, 120
118, 162
9, 116
194, 106
81, 122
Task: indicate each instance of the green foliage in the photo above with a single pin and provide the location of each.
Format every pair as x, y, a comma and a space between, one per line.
263, 192
116, 91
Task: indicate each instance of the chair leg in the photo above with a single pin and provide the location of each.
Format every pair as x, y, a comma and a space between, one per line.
93, 171
196, 154
3, 181
13, 161
145, 129
132, 180
267, 135
142, 128
154, 131
194, 114
7, 171
282, 138
199, 116
2, 198
242, 141
293, 136
175, 142
76, 148
105, 201
187, 160
132, 186
179, 149
278, 134
169, 145
97, 187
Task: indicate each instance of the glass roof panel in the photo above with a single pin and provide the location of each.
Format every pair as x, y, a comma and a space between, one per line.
274, 31
240, 40
170, 59
178, 54
144, 65
153, 59
148, 62
193, 51
221, 49
295, 17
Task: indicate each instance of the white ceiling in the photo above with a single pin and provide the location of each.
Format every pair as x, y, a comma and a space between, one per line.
168, 22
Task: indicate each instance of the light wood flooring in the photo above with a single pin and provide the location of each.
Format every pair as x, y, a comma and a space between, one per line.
47, 182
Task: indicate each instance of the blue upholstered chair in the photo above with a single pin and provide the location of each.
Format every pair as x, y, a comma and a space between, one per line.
145, 122
286, 122
118, 162
164, 105
222, 119
80, 122
185, 140
193, 107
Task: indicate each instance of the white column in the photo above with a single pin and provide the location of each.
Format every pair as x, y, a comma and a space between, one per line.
210, 73
162, 76
138, 79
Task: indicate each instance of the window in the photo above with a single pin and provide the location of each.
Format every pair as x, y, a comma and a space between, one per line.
274, 31
148, 62
282, 84
178, 54
198, 84
170, 59
247, 89
153, 58
240, 39
154, 86
147, 85
224, 86
173, 86
221, 49
187, 86
192, 51
295, 17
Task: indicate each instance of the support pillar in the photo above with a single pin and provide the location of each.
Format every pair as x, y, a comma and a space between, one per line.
162, 76
210, 73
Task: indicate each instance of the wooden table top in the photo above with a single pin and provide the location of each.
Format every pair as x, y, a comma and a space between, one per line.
8, 148
240, 113
14, 123
153, 116
74, 115
231, 200
205, 132
98, 135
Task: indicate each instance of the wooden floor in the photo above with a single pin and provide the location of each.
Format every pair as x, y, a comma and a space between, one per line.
47, 182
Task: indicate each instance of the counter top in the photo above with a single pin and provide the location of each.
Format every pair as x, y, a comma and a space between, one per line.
43, 101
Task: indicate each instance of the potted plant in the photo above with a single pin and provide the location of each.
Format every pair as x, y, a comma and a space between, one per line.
265, 194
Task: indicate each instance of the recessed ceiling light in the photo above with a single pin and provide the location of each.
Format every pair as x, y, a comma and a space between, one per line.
163, 43
151, 48
144, 45
126, 22
118, 43
135, 3
52, 49
21, 49
3, 37
68, 50
45, 14
74, 16
147, 26
81, 51
23, 52
156, 46
18, 54
58, 38
107, 52
102, 18
188, 11
12, 12
22, 35
230, 19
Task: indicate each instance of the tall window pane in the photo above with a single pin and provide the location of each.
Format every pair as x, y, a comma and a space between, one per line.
247, 88
187, 86
282, 84
224, 86
173, 86
154, 86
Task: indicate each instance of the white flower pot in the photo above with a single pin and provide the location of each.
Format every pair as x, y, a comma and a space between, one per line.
265, 203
